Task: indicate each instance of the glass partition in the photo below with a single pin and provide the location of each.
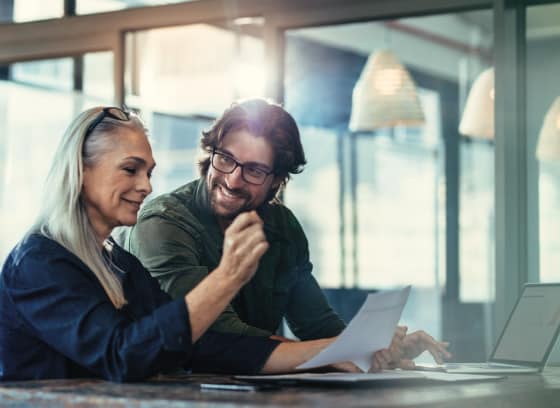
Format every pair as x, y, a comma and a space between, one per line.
180, 84
37, 102
543, 129
399, 205
19, 11
97, 6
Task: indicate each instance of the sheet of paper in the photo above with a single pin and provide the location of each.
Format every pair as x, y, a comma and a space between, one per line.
370, 330
460, 377
338, 377
386, 375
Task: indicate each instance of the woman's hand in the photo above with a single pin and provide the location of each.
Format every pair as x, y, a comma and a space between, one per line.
416, 343
405, 347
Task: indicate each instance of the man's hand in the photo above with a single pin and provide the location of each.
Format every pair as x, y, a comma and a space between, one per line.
244, 245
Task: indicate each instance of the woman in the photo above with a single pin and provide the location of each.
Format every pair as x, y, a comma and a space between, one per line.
74, 304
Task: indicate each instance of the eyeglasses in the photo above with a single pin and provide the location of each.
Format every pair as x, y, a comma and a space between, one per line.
108, 112
250, 172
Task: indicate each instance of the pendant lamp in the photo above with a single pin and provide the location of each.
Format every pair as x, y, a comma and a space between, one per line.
478, 116
548, 146
385, 95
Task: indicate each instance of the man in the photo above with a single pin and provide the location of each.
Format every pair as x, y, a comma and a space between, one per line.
181, 237
249, 154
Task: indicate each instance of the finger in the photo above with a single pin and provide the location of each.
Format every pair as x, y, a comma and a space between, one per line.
249, 237
387, 355
378, 361
251, 259
384, 358
436, 353
407, 364
401, 331
443, 346
244, 220
348, 367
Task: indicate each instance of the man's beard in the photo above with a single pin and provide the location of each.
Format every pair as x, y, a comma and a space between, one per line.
240, 193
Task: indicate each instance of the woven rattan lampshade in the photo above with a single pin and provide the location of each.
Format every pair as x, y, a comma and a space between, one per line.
478, 116
548, 147
385, 95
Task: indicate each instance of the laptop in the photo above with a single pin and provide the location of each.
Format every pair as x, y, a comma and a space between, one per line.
527, 338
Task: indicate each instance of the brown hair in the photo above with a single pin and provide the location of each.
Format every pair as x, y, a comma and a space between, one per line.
265, 119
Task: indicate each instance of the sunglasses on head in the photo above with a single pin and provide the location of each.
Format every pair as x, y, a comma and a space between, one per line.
108, 112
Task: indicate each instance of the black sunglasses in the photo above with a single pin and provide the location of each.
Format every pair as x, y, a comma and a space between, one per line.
108, 112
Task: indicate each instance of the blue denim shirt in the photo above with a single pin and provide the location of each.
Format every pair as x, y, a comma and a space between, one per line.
56, 321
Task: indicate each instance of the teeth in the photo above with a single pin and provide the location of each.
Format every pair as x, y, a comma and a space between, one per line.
228, 193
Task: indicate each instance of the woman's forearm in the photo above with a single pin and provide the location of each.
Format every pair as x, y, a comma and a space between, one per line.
287, 356
209, 299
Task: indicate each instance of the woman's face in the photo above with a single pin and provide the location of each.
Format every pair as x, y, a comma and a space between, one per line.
115, 187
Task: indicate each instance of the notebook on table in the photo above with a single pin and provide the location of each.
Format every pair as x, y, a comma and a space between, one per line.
527, 338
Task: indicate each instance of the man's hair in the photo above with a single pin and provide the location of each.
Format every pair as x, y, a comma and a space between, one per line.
265, 119
62, 216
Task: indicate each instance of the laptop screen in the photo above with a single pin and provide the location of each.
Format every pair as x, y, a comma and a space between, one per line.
532, 328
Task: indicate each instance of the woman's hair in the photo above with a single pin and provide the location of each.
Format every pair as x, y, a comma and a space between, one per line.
263, 119
63, 216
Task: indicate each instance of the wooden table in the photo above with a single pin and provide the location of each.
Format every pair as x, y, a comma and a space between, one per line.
174, 392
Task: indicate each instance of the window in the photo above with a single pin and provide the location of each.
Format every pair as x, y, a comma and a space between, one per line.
421, 197
37, 102
102, 6
180, 93
20, 11
543, 93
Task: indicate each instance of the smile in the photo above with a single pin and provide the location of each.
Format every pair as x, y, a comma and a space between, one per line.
135, 204
228, 193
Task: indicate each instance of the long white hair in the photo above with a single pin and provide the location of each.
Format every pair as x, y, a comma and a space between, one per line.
63, 216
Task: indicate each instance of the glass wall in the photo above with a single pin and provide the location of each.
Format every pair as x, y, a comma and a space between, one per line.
29, 135
102, 6
180, 84
20, 11
543, 129
403, 205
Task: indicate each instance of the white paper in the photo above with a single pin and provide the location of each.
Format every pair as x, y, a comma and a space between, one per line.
369, 331
385, 375
459, 377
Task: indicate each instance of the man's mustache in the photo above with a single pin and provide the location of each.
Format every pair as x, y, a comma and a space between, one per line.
236, 192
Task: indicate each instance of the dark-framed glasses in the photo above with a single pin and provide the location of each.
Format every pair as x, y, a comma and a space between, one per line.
108, 112
252, 173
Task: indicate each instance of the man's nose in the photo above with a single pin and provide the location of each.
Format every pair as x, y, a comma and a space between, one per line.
235, 178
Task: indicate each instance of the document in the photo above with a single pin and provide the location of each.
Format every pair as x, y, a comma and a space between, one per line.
350, 378
370, 330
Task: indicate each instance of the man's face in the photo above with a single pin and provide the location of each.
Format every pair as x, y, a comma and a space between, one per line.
230, 194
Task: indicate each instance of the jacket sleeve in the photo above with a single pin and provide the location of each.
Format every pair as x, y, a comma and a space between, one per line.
172, 256
63, 304
308, 314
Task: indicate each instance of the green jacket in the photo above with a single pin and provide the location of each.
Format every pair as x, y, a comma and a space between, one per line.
179, 241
